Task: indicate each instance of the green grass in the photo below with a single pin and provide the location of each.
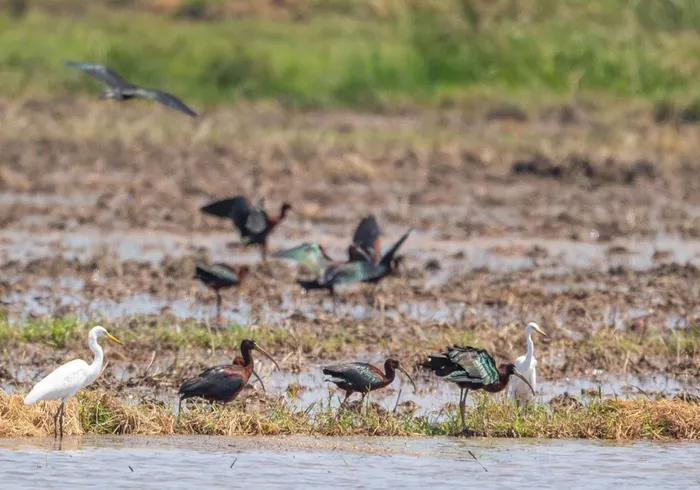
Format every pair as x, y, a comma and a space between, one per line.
342, 56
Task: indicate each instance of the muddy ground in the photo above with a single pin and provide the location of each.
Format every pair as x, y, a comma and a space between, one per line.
586, 220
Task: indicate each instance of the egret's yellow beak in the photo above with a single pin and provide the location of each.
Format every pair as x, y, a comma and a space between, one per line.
113, 339
540, 331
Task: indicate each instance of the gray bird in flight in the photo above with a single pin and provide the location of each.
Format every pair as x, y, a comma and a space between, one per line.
121, 90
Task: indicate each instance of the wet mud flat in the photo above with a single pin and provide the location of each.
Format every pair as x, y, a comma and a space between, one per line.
297, 462
591, 229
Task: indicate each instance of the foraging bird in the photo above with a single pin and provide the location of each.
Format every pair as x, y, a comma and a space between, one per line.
67, 380
360, 377
365, 241
473, 369
328, 272
220, 276
526, 365
254, 224
121, 90
223, 383
238, 361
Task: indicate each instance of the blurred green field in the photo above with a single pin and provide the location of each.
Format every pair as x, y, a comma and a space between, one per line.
360, 52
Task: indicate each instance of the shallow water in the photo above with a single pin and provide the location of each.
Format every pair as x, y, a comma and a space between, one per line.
298, 462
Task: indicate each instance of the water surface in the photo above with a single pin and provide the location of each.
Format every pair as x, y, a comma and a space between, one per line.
300, 462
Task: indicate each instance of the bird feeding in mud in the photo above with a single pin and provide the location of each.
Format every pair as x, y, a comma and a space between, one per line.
121, 90
328, 272
220, 276
360, 377
526, 365
473, 369
67, 380
253, 222
223, 383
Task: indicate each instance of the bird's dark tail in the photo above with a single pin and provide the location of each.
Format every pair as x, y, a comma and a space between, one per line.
389, 255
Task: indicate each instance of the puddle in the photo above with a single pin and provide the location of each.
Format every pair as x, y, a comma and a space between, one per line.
304, 462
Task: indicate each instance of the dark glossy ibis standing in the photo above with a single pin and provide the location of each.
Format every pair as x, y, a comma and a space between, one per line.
473, 369
121, 90
328, 272
223, 383
253, 222
220, 276
360, 377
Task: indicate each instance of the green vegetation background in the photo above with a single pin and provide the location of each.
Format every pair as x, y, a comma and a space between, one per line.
357, 52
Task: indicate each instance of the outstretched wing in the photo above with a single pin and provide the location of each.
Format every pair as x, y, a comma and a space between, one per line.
477, 365
168, 100
237, 208
99, 72
389, 255
307, 254
352, 272
257, 218
366, 237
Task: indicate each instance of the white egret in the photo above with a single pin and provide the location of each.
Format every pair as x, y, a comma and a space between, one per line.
527, 365
67, 380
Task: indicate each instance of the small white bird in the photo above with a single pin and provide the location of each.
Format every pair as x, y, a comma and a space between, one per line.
67, 380
526, 364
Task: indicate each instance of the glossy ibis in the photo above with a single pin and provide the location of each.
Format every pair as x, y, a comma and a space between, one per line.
389, 263
121, 90
253, 222
65, 381
223, 383
527, 365
473, 369
220, 276
360, 377
328, 273
365, 241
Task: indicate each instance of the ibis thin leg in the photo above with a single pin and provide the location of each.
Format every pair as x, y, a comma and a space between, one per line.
218, 307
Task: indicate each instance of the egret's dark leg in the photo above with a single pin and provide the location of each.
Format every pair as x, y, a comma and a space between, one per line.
55, 422
218, 307
62, 409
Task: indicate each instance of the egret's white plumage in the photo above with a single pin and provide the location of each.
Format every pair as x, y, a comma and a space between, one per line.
527, 365
65, 381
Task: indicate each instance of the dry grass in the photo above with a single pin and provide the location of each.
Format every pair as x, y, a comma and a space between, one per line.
102, 413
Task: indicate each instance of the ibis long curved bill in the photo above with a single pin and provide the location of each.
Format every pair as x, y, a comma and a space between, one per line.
524, 379
266, 354
408, 376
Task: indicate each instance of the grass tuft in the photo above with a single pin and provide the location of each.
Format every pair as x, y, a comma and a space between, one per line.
93, 412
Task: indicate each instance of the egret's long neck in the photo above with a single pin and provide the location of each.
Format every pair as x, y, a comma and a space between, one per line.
530, 348
96, 365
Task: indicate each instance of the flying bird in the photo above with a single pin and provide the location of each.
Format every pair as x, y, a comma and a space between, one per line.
328, 273
365, 241
121, 90
253, 222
